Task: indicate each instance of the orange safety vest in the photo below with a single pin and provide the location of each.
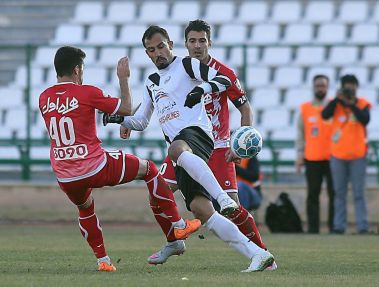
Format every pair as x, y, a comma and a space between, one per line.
349, 137
317, 133
244, 163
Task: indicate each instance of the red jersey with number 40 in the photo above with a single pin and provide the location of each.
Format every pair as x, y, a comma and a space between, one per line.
216, 104
69, 111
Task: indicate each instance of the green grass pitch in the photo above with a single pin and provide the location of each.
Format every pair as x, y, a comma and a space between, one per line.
58, 256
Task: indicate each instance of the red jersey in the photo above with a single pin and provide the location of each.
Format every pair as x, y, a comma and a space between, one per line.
69, 111
216, 104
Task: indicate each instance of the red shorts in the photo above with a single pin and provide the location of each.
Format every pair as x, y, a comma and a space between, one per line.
120, 168
225, 172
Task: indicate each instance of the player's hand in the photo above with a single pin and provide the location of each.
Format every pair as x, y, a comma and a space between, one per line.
123, 70
298, 164
194, 97
124, 132
231, 157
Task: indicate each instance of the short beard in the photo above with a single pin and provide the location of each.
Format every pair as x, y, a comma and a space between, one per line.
320, 96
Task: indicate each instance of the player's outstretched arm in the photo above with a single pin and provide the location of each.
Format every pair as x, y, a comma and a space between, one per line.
123, 74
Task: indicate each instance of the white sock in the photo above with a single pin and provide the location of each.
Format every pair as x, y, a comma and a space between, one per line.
200, 171
179, 224
229, 233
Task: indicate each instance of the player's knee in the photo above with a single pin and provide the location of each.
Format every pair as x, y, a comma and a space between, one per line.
86, 204
177, 148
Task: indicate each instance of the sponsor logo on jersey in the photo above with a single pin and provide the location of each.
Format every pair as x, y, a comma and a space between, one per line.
159, 95
61, 108
169, 117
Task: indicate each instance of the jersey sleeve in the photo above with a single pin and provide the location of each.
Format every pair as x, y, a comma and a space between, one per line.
235, 92
103, 102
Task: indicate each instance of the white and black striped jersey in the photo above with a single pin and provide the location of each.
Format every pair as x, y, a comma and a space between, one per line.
166, 91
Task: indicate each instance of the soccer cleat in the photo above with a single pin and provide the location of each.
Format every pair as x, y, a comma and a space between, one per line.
171, 248
191, 227
260, 262
272, 267
105, 264
227, 205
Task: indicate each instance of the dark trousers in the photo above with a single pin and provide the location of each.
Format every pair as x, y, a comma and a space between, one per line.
315, 171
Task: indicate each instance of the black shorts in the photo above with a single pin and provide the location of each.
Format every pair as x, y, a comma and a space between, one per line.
202, 146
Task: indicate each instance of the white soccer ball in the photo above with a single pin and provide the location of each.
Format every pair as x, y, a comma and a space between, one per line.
246, 142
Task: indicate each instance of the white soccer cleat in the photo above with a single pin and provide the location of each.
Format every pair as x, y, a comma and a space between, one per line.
272, 267
227, 205
260, 262
171, 248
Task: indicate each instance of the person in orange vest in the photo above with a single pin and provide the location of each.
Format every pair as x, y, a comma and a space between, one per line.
249, 183
313, 151
350, 115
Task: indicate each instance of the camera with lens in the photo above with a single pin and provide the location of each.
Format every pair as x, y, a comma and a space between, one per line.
117, 119
348, 94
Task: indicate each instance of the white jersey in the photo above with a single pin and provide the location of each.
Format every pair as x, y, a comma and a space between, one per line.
166, 91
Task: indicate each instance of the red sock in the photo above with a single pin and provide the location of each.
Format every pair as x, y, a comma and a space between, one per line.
160, 194
163, 222
91, 230
246, 224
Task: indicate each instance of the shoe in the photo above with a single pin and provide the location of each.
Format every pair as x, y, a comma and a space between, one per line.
105, 264
191, 227
260, 262
272, 267
227, 205
171, 248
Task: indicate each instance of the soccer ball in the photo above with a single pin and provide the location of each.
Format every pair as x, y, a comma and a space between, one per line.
246, 142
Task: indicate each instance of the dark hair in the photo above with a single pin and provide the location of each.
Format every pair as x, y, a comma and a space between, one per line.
149, 33
320, 76
66, 59
349, 78
198, 26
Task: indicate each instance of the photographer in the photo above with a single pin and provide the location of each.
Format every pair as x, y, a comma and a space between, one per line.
349, 115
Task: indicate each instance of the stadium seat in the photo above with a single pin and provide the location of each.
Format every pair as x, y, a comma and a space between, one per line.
236, 56
252, 12
298, 34
219, 53
275, 56
9, 152
370, 94
343, 55
263, 98
234, 118
257, 77
360, 72
175, 32
121, 12
138, 58
218, 12
265, 154
21, 77
95, 76
331, 34
183, 12
132, 34
296, 96
89, 12
232, 34
134, 80
370, 55
44, 57
287, 154
16, 126
288, 77
14, 97
374, 114
375, 14
364, 34
152, 12
318, 12
284, 134
40, 152
109, 56
67, 34
353, 11
180, 51
308, 56
328, 71
284, 12
264, 34
100, 34
375, 79
276, 118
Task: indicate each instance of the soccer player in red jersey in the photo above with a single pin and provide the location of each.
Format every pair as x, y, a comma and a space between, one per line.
221, 162
77, 158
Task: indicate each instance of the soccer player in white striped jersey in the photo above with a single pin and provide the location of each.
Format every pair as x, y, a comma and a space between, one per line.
176, 92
